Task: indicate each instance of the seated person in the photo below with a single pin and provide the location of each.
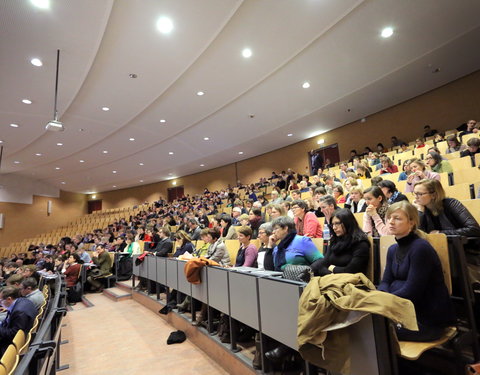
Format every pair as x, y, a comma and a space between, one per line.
338, 194
470, 128
104, 264
419, 142
349, 249
292, 248
132, 247
388, 166
413, 271
390, 191
247, 254
429, 132
419, 172
454, 144
228, 230
165, 245
30, 271
255, 220
29, 289
355, 202
71, 270
265, 253
217, 251
406, 170
84, 256
363, 173
374, 218
185, 244
473, 147
306, 223
437, 164
21, 314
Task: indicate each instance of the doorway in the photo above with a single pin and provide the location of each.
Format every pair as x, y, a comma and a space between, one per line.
95, 205
175, 193
318, 157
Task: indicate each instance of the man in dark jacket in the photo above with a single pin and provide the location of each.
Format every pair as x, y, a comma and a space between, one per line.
103, 261
165, 245
20, 316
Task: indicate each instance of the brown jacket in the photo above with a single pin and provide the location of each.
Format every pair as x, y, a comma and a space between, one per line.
329, 300
194, 266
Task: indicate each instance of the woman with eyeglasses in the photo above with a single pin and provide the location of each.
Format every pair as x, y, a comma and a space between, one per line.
349, 248
441, 214
437, 164
374, 218
306, 222
419, 172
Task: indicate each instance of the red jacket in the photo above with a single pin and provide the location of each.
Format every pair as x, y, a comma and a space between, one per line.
309, 226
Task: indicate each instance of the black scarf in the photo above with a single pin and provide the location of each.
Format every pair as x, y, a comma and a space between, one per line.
279, 259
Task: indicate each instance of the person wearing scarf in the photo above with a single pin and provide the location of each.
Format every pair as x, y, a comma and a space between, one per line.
292, 248
374, 218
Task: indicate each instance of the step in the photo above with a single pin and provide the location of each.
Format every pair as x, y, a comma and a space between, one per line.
124, 285
117, 294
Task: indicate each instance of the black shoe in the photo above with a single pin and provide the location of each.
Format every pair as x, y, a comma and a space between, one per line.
278, 354
225, 338
165, 310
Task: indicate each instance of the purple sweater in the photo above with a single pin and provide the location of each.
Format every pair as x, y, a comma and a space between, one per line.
247, 257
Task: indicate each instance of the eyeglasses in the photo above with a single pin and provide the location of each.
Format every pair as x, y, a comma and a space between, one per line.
428, 158
336, 224
418, 194
295, 207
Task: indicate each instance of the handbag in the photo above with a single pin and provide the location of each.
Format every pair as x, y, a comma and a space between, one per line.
297, 272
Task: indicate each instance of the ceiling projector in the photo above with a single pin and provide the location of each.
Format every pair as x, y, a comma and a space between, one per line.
55, 126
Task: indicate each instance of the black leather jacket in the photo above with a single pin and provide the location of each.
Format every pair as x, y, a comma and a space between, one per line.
455, 219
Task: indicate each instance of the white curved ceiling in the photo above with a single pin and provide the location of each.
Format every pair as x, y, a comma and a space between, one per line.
334, 45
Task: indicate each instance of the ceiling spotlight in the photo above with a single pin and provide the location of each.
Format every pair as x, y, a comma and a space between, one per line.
59, 144
141, 180
42, 4
206, 139
321, 141
132, 75
289, 134
174, 182
55, 125
141, 164
131, 139
16, 162
38, 154
114, 186
1, 141
57, 168
306, 85
240, 152
363, 120
202, 165
36, 62
387, 32
82, 161
26, 101
114, 171
81, 130
164, 25
14, 125
63, 182
163, 121
200, 93
105, 109
247, 52
105, 152
170, 153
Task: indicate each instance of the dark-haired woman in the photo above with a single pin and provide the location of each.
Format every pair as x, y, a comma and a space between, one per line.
349, 247
374, 218
228, 230
185, 244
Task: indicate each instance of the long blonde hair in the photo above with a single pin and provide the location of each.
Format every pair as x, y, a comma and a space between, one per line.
434, 188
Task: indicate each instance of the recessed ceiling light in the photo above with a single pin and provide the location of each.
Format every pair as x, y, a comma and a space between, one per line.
200, 93
131, 139
114, 186
59, 144
164, 25
163, 120
170, 153
63, 182
14, 125
206, 138
105, 109
387, 32
1, 141
141, 164
247, 52
82, 161
141, 180
202, 165
38, 154
26, 101
42, 4
306, 85
57, 168
36, 62
114, 171
105, 151
132, 75
240, 152
289, 134
16, 162
81, 129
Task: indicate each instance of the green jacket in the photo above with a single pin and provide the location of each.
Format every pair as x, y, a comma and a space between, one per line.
103, 262
443, 166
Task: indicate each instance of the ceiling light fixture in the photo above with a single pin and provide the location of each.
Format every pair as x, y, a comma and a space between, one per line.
170, 153
82, 161
141, 180
36, 62
132, 75
306, 85
206, 138
240, 152
57, 168
141, 164
1, 141
26, 101
59, 144
114, 186
165, 25
38, 154
14, 125
200, 93
42, 4
16, 162
55, 125
202, 165
114, 171
321, 141
105, 109
105, 152
174, 182
247, 53
387, 32
131, 139
63, 182
289, 134
163, 121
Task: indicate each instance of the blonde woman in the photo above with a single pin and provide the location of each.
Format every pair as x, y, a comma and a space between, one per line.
413, 271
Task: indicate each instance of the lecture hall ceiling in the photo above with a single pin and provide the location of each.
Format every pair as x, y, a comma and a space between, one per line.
158, 127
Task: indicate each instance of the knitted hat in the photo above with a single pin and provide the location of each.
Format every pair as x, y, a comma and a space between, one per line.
176, 337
